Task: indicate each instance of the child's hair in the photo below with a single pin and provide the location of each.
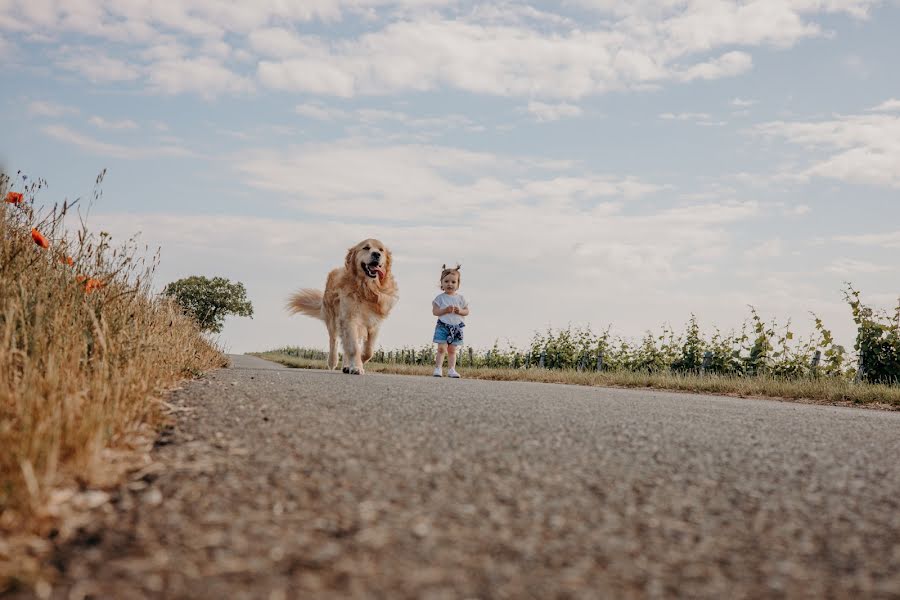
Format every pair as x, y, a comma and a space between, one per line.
455, 269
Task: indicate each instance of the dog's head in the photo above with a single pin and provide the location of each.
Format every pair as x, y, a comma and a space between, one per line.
370, 259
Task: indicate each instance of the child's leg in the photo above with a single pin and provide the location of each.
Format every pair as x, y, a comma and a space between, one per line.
451, 358
439, 360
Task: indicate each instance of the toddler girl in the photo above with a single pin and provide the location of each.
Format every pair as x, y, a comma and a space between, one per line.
449, 308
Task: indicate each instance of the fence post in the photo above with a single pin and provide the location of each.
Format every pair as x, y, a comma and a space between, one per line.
860, 369
599, 361
815, 359
487, 359
528, 360
471, 357
707, 358
543, 358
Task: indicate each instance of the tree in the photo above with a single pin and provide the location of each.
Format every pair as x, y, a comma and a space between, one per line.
209, 301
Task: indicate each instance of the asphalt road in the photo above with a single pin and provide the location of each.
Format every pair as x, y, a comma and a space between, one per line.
279, 483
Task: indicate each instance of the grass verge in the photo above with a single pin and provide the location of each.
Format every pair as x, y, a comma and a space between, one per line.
828, 391
86, 350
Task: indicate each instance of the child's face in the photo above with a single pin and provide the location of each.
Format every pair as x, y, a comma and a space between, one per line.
450, 283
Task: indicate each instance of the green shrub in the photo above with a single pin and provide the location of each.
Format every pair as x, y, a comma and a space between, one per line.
877, 341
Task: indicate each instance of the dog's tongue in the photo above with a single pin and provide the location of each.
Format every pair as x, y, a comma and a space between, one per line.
381, 273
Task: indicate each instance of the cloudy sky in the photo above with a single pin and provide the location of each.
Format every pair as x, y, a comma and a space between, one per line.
587, 161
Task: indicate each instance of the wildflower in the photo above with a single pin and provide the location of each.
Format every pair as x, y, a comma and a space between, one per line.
39, 239
67, 260
14, 198
90, 284
93, 284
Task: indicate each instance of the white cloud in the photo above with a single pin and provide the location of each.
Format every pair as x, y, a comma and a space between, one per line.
510, 12
420, 45
727, 65
321, 112
882, 240
891, 105
798, 210
202, 19
420, 181
102, 148
282, 43
867, 146
122, 124
850, 266
742, 102
400, 125
756, 17
498, 60
553, 112
96, 66
704, 119
685, 116
204, 76
766, 249
501, 209
42, 108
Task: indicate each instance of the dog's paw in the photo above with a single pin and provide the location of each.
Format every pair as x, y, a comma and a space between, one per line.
357, 371
345, 370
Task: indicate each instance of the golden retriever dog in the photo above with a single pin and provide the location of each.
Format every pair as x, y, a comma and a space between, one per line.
357, 298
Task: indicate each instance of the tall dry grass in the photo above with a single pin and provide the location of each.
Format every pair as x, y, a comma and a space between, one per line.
86, 348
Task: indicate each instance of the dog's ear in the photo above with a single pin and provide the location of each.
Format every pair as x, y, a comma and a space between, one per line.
350, 258
388, 260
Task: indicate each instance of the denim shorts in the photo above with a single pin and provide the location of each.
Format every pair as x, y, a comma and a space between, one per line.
448, 334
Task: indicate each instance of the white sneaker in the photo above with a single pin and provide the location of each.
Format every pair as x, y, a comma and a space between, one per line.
438, 373
452, 373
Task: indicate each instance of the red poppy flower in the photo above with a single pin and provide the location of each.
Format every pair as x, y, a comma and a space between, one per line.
14, 198
67, 260
39, 239
93, 284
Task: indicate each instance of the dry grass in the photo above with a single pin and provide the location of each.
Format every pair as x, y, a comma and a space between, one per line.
81, 370
816, 391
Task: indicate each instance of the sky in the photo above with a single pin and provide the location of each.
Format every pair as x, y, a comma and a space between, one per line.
588, 162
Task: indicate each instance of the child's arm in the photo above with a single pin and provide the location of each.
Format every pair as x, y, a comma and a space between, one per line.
463, 311
440, 311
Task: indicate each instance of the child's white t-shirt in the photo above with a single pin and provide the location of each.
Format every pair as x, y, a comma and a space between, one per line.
445, 300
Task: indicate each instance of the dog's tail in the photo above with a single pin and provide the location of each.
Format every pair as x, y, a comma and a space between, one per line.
306, 302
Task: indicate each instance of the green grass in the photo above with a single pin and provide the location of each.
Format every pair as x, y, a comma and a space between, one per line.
830, 391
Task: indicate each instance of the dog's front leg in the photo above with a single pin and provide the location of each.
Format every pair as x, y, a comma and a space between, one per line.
369, 346
332, 347
352, 355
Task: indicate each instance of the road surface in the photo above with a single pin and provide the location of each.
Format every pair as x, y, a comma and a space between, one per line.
279, 483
